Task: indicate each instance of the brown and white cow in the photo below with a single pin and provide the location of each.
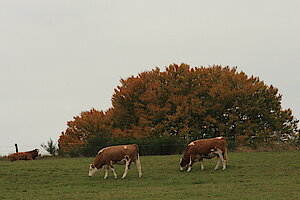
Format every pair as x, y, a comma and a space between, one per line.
28, 155
205, 148
116, 154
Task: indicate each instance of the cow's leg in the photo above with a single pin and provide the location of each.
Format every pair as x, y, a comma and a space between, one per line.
129, 164
128, 161
221, 158
192, 158
106, 172
223, 163
218, 163
201, 163
138, 166
113, 170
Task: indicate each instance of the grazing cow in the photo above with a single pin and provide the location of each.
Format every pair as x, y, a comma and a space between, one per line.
28, 155
206, 148
116, 154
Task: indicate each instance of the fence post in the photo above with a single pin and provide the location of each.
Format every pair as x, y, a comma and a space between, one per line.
17, 150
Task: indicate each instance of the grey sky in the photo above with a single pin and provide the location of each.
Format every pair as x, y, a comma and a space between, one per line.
61, 57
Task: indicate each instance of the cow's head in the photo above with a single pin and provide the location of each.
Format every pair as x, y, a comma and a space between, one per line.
37, 152
92, 170
184, 162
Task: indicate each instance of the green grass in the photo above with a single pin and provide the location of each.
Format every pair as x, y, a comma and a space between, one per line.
264, 175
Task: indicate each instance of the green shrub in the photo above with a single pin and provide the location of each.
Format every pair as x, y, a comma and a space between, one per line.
232, 145
93, 145
166, 145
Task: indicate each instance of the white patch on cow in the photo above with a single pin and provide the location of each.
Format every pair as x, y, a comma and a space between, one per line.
191, 144
125, 147
219, 138
92, 170
100, 151
218, 151
212, 150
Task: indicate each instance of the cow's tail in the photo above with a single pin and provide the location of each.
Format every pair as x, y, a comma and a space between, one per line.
137, 150
225, 155
224, 149
138, 161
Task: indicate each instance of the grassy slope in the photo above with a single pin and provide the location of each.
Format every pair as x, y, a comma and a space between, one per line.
265, 175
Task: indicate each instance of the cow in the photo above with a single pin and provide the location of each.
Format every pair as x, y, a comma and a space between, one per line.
116, 154
28, 155
205, 148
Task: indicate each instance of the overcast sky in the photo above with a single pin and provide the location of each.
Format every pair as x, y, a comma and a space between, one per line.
61, 57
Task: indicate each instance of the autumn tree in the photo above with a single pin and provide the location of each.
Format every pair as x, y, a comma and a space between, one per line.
198, 103
85, 127
185, 103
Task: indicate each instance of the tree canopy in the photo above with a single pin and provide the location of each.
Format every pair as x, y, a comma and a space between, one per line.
189, 103
87, 125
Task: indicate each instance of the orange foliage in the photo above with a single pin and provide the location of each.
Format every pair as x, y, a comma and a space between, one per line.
186, 102
84, 126
197, 102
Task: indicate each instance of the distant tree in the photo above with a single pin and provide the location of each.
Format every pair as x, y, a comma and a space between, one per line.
88, 124
50, 147
187, 103
200, 102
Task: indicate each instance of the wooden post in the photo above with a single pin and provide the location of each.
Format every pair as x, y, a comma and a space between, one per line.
16, 145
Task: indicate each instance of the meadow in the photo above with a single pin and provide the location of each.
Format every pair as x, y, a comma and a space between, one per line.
255, 175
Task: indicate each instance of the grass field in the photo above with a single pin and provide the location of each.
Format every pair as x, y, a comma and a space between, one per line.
264, 175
